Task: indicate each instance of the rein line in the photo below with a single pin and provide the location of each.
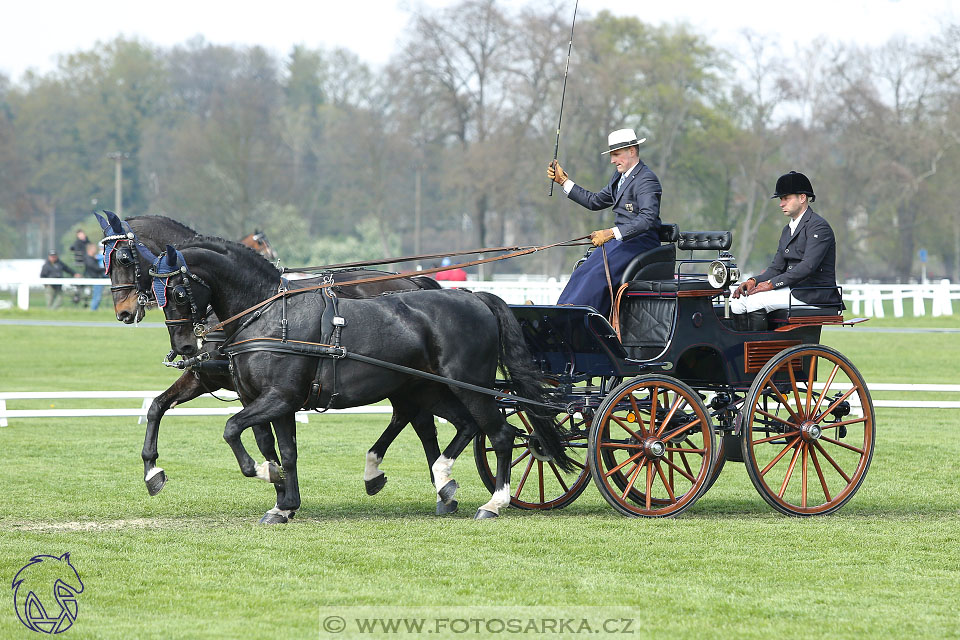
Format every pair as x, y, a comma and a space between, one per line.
327, 285
425, 256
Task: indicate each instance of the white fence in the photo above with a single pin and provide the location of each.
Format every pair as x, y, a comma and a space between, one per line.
868, 300
147, 397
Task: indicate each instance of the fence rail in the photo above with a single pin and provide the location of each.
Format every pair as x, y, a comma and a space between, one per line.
861, 299
147, 398
140, 412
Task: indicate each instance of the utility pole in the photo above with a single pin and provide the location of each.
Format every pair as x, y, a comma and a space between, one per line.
118, 157
416, 214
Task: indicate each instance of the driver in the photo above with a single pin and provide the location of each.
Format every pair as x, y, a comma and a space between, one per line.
634, 193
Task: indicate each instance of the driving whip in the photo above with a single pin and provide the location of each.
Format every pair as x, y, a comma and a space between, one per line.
563, 93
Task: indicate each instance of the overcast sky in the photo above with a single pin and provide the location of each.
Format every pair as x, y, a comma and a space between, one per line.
34, 32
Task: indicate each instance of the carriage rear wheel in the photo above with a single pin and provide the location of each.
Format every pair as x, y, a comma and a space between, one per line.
807, 431
536, 482
651, 447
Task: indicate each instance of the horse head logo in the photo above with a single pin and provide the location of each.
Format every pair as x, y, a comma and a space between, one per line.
45, 593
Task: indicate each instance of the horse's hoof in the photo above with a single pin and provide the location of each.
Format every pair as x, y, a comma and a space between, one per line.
274, 518
448, 490
276, 473
373, 486
445, 508
483, 514
155, 482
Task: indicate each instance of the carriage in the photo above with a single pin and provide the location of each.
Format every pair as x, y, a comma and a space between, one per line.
649, 405
657, 402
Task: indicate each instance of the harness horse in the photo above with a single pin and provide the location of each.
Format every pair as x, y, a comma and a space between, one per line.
289, 354
130, 247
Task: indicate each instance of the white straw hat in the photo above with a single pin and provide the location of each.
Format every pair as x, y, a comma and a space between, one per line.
622, 138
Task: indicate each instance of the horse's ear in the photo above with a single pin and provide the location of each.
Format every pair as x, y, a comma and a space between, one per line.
171, 255
114, 221
103, 222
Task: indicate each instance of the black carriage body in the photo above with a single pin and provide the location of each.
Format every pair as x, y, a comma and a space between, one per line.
674, 373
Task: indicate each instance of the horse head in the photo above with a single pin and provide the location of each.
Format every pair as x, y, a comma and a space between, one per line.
259, 243
185, 306
125, 259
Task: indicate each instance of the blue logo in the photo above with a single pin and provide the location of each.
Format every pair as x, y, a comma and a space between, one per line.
45, 593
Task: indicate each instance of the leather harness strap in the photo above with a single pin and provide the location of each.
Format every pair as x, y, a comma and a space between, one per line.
395, 276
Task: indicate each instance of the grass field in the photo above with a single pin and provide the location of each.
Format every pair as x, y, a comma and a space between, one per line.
191, 562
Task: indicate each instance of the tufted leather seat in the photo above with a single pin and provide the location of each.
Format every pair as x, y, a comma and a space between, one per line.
705, 240
657, 263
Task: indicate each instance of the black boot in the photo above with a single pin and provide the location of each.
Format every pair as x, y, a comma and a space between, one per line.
757, 320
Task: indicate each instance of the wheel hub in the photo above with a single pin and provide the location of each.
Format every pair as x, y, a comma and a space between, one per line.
810, 431
654, 448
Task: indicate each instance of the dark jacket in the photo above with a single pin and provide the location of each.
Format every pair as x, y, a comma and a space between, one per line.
808, 258
92, 267
636, 205
55, 269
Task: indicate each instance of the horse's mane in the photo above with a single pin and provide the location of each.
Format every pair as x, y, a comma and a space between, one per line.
249, 258
164, 221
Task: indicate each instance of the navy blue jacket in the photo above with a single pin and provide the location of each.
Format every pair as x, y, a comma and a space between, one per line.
808, 258
636, 205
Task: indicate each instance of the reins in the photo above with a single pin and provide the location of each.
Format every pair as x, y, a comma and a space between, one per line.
425, 256
289, 292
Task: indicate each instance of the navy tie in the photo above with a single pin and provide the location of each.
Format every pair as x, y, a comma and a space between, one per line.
623, 177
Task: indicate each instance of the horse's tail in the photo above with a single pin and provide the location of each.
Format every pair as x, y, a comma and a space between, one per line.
517, 362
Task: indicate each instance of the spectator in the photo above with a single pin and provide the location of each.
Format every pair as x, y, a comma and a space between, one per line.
456, 275
93, 268
55, 268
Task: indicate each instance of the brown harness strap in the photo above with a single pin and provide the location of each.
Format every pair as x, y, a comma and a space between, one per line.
606, 268
291, 292
426, 256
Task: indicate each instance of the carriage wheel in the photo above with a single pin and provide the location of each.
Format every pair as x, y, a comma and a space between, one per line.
807, 431
651, 447
535, 482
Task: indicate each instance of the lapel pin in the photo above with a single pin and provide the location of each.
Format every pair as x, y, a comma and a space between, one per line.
629, 207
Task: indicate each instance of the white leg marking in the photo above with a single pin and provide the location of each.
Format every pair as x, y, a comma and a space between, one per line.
372, 470
499, 499
441, 471
152, 473
286, 513
263, 471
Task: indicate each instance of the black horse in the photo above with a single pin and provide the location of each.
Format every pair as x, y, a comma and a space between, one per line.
127, 261
455, 334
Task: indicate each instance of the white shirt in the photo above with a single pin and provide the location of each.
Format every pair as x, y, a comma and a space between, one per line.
568, 187
795, 222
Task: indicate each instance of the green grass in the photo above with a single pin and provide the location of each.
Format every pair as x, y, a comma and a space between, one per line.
191, 561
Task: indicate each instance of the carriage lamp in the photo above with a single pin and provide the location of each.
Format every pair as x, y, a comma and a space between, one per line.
721, 274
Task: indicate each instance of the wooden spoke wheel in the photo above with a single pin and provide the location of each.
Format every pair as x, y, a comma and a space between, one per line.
807, 431
535, 482
651, 447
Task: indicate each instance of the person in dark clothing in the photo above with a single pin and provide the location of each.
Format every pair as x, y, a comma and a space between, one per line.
55, 268
634, 193
806, 257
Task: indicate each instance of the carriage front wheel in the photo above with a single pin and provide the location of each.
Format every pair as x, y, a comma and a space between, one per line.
651, 447
536, 481
807, 430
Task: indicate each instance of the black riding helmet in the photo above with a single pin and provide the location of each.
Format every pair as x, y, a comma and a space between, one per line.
793, 182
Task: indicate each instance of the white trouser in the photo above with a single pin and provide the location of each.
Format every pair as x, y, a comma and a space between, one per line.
766, 300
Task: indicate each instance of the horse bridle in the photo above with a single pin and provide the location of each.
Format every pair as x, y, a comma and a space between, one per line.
131, 242
186, 295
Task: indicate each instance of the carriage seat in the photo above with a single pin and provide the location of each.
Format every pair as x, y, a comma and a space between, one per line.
705, 241
657, 263
647, 312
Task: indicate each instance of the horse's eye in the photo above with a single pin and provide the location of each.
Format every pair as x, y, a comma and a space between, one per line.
125, 257
180, 296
